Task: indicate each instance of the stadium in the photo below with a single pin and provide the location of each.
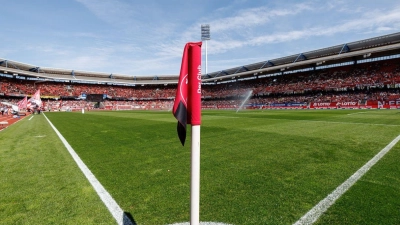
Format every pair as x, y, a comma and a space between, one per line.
308, 138
276, 82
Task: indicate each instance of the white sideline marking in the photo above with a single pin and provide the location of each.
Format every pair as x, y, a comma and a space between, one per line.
110, 203
32, 117
311, 216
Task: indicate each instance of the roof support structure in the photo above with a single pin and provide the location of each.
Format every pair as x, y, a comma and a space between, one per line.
269, 63
4, 61
264, 64
345, 48
216, 75
222, 71
243, 67
300, 56
35, 69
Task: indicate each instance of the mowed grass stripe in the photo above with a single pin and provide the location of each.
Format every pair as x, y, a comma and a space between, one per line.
313, 215
374, 199
385, 117
253, 170
287, 152
131, 158
40, 183
109, 202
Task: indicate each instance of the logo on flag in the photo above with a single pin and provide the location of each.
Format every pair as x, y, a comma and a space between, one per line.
187, 104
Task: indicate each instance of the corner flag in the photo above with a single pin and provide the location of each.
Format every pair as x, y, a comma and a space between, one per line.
187, 110
187, 104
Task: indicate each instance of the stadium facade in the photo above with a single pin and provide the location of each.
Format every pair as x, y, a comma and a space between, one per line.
377, 48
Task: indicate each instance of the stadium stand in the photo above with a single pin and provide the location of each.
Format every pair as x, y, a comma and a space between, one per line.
339, 75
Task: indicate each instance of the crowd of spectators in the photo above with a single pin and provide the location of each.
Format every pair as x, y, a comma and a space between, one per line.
366, 81
5, 110
55, 89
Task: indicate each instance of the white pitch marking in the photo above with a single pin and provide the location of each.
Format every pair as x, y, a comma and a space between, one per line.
107, 199
31, 117
355, 113
311, 216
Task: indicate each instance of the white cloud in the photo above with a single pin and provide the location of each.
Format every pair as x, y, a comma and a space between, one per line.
255, 17
111, 11
377, 21
141, 40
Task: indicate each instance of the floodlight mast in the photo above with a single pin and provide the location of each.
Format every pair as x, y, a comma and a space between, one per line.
205, 36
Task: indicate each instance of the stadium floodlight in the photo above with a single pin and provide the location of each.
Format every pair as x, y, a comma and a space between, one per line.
205, 36
205, 32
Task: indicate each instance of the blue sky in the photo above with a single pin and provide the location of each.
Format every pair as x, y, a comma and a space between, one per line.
137, 37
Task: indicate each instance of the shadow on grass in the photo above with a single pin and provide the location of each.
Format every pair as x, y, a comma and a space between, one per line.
128, 219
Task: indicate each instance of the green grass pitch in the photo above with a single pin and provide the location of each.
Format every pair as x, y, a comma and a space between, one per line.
257, 167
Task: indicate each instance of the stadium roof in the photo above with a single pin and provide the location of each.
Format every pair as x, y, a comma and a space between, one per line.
373, 47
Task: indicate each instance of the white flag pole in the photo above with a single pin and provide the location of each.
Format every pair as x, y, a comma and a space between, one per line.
195, 177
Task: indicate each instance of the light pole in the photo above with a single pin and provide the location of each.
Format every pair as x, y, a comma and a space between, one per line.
205, 36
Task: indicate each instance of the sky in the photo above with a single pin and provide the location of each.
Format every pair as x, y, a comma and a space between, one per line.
147, 37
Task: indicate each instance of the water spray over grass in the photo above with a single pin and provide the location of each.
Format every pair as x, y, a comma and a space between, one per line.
246, 99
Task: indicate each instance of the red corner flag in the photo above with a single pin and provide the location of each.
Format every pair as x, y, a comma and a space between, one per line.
187, 105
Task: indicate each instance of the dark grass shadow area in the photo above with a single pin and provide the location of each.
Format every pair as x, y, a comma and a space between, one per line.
128, 219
